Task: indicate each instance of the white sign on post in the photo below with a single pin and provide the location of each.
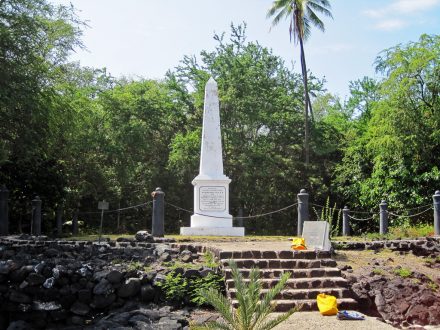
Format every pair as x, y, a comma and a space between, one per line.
103, 205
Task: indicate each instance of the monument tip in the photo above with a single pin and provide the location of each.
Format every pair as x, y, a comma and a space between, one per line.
211, 81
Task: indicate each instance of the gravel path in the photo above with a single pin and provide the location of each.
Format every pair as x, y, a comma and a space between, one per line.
315, 321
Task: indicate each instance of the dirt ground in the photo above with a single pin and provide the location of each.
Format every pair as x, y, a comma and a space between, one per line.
383, 262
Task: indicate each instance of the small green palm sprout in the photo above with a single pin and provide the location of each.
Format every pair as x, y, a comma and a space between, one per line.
253, 308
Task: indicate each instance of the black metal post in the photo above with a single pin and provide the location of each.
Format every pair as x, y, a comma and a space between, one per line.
436, 199
75, 223
383, 225
4, 214
157, 227
345, 221
303, 210
36, 219
59, 220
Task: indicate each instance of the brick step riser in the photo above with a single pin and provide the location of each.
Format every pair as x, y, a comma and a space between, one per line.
283, 263
274, 255
276, 263
309, 306
275, 274
306, 284
305, 295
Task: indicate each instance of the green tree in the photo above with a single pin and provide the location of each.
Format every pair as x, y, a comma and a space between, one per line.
363, 95
35, 39
302, 15
396, 156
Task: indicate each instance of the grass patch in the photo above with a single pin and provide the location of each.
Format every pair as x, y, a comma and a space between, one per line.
433, 286
403, 272
423, 230
378, 271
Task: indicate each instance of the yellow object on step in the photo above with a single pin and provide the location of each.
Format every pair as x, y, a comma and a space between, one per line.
298, 243
327, 304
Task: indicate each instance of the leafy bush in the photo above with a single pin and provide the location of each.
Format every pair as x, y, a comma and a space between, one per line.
198, 285
209, 260
175, 287
179, 289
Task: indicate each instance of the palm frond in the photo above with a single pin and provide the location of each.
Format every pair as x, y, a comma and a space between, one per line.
251, 313
315, 19
216, 325
220, 303
241, 290
281, 12
307, 28
321, 6
265, 307
303, 14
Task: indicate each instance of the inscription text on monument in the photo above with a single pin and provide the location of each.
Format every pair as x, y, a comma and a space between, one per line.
212, 198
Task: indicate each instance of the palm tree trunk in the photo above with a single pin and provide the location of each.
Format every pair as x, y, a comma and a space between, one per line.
306, 103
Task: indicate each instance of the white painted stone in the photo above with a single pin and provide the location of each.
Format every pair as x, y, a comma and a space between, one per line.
211, 186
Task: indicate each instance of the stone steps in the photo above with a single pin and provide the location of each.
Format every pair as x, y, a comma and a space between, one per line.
312, 273
288, 254
296, 273
300, 283
275, 263
302, 294
307, 304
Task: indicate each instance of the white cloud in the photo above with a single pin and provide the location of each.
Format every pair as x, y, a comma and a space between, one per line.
390, 24
411, 6
386, 17
402, 7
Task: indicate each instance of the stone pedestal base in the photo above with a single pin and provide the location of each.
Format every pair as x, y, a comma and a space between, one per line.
217, 220
212, 231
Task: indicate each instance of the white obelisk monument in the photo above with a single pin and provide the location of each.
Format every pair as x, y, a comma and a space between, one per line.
211, 187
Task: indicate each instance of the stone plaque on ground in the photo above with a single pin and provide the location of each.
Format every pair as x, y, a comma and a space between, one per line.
212, 198
316, 235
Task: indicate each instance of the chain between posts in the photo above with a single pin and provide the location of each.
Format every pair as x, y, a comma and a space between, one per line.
357, 219
412, 215
246, 217
118, 210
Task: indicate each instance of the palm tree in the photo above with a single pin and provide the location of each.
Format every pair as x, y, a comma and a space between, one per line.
251, 313
302, 16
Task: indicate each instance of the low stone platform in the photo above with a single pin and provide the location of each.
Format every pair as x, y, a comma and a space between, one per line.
313, 272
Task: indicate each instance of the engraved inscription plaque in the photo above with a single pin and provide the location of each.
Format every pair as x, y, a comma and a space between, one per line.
212, 198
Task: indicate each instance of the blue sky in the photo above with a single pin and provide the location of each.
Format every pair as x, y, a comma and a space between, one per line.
148, 37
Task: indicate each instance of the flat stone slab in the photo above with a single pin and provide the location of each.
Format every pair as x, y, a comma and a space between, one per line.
212, 231
316, 235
